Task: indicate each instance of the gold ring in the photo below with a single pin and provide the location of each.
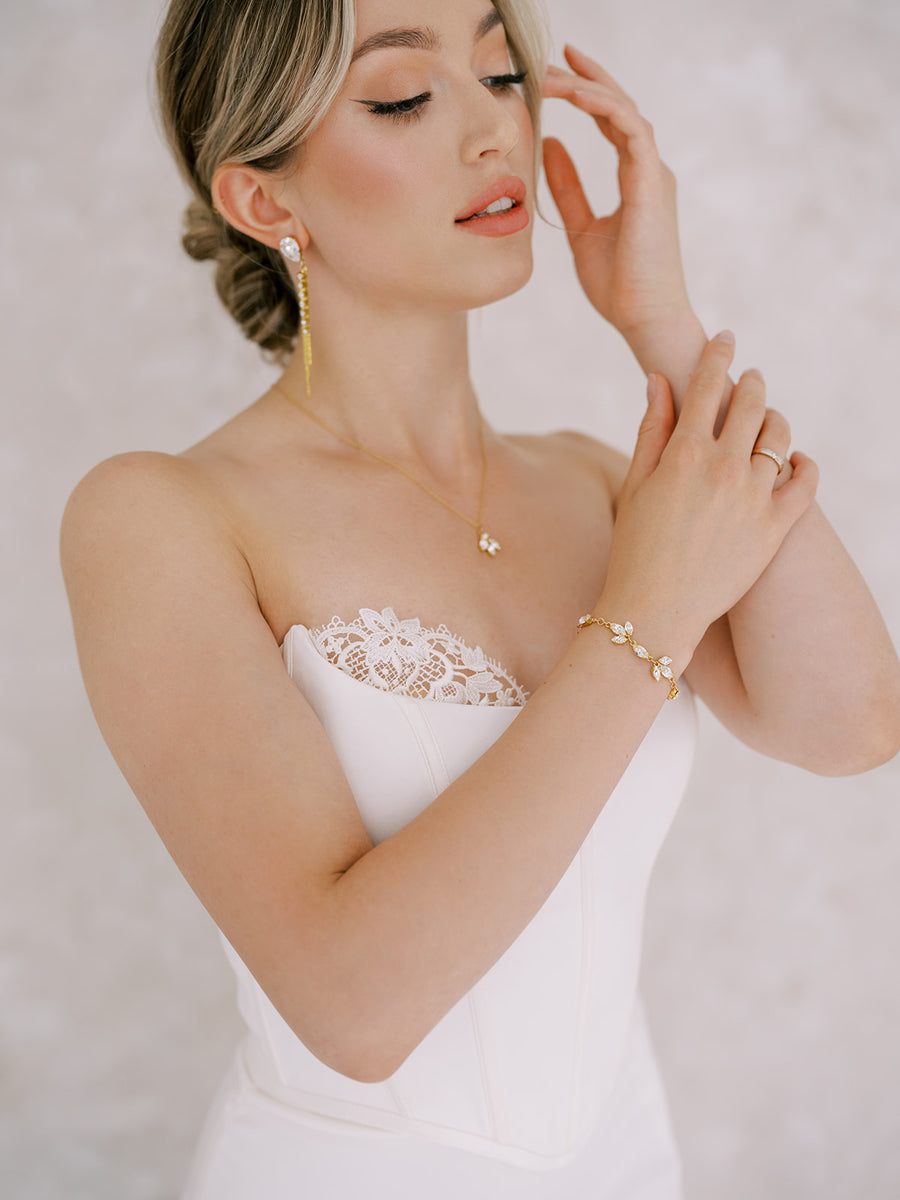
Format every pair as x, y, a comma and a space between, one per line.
776, 458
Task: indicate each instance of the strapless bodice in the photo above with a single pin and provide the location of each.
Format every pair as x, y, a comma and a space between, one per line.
521, 1066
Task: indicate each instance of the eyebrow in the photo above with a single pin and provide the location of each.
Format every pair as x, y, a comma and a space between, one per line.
419, 39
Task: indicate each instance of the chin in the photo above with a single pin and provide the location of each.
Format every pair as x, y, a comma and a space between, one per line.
505, 279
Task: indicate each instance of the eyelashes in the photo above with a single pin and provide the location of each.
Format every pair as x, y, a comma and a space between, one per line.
400, 110
405, 111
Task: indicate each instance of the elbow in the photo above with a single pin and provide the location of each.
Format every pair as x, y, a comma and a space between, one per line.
870, 740
867, 759
361, 1045
362, 1060
367, 1070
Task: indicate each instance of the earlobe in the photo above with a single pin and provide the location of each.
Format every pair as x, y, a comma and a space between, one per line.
248, 200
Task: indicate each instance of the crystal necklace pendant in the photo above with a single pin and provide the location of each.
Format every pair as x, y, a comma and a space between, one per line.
487, 544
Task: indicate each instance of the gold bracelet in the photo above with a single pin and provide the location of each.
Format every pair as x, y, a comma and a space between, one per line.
660, 667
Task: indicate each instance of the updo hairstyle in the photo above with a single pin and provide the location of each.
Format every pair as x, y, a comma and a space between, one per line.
246, 81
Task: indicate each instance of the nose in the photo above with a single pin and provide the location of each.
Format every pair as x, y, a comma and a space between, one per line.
490, 124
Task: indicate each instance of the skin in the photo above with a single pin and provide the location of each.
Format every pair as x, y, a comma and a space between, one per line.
364, 948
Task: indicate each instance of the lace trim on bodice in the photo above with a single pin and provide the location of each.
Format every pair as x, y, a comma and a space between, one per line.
426, 664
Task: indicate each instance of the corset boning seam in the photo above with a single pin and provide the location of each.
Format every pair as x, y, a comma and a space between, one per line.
438, 775
584, 987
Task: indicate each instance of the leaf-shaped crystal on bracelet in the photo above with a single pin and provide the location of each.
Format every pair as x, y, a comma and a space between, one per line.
660, 667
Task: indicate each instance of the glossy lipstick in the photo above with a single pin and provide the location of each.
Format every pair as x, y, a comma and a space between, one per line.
497, 224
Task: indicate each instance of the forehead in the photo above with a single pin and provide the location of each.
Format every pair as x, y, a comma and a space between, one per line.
420, 24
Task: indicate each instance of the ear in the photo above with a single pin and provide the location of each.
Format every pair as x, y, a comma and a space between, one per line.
252, 201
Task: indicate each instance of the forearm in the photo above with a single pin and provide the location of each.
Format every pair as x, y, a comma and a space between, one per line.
672, 348
818, 673
816, 660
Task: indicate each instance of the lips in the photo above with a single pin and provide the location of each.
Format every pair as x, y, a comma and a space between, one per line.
511, 186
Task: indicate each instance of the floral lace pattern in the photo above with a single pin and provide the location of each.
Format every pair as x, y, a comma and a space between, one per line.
427, 664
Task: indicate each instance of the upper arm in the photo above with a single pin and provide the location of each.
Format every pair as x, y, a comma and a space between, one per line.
189, 689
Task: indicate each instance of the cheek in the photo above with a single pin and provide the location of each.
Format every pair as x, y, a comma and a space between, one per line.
372, 181
380, 207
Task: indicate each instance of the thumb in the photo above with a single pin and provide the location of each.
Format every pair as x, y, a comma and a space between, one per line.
654, 433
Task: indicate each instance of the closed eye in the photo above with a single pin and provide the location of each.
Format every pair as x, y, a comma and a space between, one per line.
504, 83
405, 111
400, 110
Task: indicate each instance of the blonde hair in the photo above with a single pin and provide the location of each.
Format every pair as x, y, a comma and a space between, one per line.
247, 81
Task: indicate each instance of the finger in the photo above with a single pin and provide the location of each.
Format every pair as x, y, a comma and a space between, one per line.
746, 414
615, 115
774, 435
798, 493
704, 392
654, 433
617, 119
558, 78
584, 65
775, 432
565, 187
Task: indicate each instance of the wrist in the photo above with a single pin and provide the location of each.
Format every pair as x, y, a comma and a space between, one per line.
669, 344
662, 631
672, 348
661, 669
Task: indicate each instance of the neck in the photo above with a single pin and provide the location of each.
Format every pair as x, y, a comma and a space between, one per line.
396, 381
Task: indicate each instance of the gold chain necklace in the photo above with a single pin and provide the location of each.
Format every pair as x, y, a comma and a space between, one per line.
486, 544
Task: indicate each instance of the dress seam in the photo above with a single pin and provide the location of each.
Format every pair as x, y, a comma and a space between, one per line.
587, 939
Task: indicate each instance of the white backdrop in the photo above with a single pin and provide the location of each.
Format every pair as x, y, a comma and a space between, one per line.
771, 965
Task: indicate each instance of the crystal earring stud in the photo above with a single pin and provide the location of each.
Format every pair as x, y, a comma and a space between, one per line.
290, 248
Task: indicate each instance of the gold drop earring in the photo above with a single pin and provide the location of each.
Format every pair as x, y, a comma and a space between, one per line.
290, 248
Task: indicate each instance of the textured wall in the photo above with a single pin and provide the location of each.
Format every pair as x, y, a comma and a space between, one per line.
772, 969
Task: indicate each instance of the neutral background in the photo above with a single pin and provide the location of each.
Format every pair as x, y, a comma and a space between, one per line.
772, 969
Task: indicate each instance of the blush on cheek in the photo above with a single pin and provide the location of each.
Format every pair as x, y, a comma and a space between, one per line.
373, 209
376, 177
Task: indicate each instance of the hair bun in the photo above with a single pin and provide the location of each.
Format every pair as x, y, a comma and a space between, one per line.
205, 233
252, 280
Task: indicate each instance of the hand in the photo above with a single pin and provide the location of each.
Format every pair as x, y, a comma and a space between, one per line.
699, 518
629, 262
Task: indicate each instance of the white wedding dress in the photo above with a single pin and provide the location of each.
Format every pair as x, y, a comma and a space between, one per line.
539, 1084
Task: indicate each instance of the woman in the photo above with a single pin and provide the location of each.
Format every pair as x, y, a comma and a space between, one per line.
431, 891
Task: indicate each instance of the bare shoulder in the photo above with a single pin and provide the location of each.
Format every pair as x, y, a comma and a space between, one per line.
144, 547
187, 487
146, 499
130, 479
572, 450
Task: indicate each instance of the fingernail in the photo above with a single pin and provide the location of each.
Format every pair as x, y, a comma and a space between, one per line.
652, 388
726, 337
